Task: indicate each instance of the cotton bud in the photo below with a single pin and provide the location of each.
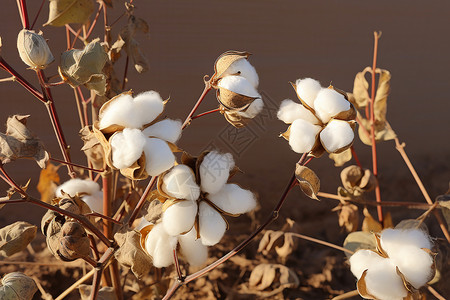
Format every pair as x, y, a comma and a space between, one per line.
33, 49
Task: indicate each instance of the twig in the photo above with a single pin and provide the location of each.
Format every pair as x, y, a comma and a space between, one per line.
355, 156
102, 264
94, 214
80, 114
311, 239
435, 293
142, 200
75, 165
177, 264
107, 203
346, 295
115, 276
37, 14
22, 4
12, 78
207, 88
44, 294
205, 113
76, 284
101, 4
38, 264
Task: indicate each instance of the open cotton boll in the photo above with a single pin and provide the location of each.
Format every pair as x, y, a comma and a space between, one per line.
168, 130
127, 147
363, 260
142, 223
302, 135
214, 171
393, 239
383, 282
336, 135
121, 111
179, 217
307, 90
192, 248
158, 156
233, 199
239, 85
180, 183
148, 105
253, 109
159, 245
76, 185
95, 201
290, 111
243, 68
212, 225
329, 103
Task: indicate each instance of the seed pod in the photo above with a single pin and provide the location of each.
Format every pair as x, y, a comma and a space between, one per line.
33, 49
17, 286
74, 242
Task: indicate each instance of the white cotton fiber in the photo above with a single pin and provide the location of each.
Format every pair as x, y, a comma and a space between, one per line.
239, 85
383, 282
192, 248
307, 90
159, 246
363, 260
392, 239
329, 103
168, 130
180, 183
414, 263
179, 217
243, 68
120, 112
158, 156
253, 110
212, 225
303, 135
233, 199
95, 201
336, 135
214, 171
127, 147
290, 111
148, 105
76, 185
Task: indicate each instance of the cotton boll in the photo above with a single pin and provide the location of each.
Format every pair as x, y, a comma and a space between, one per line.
214, 171
76, 185
212, 225
393, 239
303, 135
158, 156
233, 199
243, 68
253, 110
307, 90
142, 223
148, 106
329, 103
121, 111
363, 260
336, 135
180, 183
179, 217
159, 246
168, 130
192, 248
127, 147
239, 85
290, 111
95, 201
383, 282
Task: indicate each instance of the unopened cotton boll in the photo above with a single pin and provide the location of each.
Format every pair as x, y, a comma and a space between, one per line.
214, 171
159, 245
127, 147
329, 103
233, 199
392, 239
158, 156
336, 135
80, 186
192, 248
148, 105
120, 112
179, 217
180, 183
383, 282
168, 130
302, 136
95, 201
307, 90
239, 85
33, 49
290, 111
253, 109
243, 68
212, 225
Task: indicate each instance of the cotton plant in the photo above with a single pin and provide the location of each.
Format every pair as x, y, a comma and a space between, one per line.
89, 191
324, 120
401, 264
135, 139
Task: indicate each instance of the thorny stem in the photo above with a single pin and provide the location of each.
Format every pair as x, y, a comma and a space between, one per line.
75, 165
142, 200
22, 4
207, 88
37, 14
205, 113
317, 241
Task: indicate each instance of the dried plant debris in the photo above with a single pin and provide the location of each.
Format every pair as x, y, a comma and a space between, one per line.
62, 12
48, 182
274, 276
308, 181
17, 286
92, 147
348, 216
357, 181
16, 237
105, 293
281, 241
341, 158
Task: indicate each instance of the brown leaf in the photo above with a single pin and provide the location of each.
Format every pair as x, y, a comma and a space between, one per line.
92, 147
16, 237
369, 223
20, 142
359, 240
265, 275
105, 293
154, 211
360, 86
348, 216
308, 181
17, 286
341, 158
48, 182
282, 241
62, 12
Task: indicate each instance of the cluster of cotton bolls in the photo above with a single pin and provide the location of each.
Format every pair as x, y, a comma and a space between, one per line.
195, 218
324, 118
139, 133
88, 190
407, 250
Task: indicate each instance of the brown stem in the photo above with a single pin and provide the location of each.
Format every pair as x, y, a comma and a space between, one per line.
435, 293
107, 203
76, 284
80, 114
77, 35
96, 283
95, 20
115, 276
311, 239
75, 165
207, 88
112, 220
142, 200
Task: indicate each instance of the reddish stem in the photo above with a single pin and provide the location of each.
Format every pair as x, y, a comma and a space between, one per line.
177, 264
75, 39
355, 156
207, 88
142, 200
107, 205
75, 165
205, 113
38, 13
23, 13
95, 20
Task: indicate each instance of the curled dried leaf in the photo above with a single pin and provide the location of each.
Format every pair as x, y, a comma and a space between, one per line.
48, 182
62, 12
341, 158
348, 216
369, 223
357, 181
308, 180
15, 237
264, 276
17, 286
92, 147
282, 241
105, 293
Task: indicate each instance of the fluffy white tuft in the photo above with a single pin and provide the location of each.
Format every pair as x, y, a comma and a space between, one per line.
336, 135
290, 111
214, 171
243, 68
148, 105
303, 135
239, 85
168, 130
192, 248
414, 263
362, 260
179, 217
76, 185
329, 103
392, 239
180, 183
158, 156
307, 90
95, 201
233, 199
212, 225
120, 112
159, 245
127, 147
383, 282
253, 109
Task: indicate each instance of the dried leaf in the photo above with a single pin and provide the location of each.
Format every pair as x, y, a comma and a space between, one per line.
154, 211
387, 220
105, 293
360, 86
48, 182
17, 286
369, 223
16, 237
359, 240
265, 275
341, 158
357, 181
308, 181
348, 216
282, 241
92, 147
20, 142
62, 12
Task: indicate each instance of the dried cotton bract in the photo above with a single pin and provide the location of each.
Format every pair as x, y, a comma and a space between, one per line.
323, 121
33, 49
88, 190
